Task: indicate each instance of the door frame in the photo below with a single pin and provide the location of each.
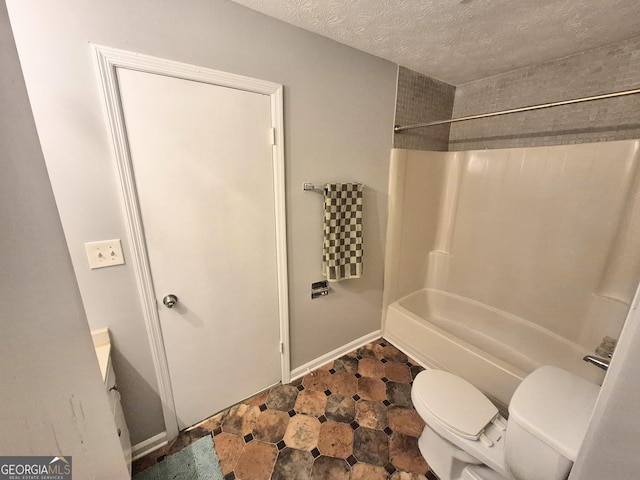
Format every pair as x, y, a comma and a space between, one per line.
107, 61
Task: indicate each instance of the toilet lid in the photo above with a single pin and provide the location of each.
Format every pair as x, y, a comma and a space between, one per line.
454, 402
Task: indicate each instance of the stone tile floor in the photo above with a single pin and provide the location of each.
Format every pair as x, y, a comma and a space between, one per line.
351, 419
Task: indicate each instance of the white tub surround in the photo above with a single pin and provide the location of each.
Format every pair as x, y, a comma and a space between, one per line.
499, 261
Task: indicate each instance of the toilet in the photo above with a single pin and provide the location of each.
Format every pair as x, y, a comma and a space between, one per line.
466, 438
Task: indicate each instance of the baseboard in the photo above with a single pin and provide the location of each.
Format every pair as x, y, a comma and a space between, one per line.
149, 445
334, 355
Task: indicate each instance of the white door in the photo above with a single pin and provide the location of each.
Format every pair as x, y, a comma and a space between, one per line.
202, 160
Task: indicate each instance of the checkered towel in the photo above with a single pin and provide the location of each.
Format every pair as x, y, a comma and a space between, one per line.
342, 246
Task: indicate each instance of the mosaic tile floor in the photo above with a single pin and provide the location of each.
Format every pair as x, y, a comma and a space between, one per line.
352, 419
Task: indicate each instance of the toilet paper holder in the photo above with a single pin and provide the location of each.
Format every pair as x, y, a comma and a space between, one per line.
319, 289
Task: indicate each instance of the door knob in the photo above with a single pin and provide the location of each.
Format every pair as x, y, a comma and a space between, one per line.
170, 300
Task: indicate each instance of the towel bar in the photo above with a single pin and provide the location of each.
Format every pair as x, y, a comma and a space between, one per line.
310, 187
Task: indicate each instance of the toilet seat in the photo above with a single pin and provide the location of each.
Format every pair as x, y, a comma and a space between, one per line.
460, 414
454, 403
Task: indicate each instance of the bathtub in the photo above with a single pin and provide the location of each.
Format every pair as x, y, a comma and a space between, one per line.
492, 349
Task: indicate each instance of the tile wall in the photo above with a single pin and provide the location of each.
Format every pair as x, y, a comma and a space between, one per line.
422, 99
603, 70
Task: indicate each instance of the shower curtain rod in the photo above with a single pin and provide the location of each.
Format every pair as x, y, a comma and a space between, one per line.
402, 128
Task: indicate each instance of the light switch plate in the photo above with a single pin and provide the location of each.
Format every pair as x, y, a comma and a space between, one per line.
104, 254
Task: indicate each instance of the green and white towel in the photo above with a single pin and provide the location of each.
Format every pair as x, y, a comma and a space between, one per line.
342, 246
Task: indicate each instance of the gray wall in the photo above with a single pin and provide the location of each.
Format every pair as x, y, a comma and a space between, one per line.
603, 70
421, 99
53, 399
339, 106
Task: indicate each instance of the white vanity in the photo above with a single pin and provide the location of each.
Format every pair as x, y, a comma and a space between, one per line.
102, 344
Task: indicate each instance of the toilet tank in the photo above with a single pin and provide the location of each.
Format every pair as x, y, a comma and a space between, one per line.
548, 417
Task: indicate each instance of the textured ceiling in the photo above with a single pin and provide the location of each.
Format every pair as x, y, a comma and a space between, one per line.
459, 41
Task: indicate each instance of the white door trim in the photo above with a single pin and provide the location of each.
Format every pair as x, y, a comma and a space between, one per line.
107, 60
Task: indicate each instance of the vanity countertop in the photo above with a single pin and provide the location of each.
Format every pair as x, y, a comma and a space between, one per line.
102, 344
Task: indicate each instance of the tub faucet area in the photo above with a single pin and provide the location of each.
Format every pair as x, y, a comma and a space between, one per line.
603, 355
599, 362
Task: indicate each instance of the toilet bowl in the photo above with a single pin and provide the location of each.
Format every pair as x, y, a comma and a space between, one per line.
466, 438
